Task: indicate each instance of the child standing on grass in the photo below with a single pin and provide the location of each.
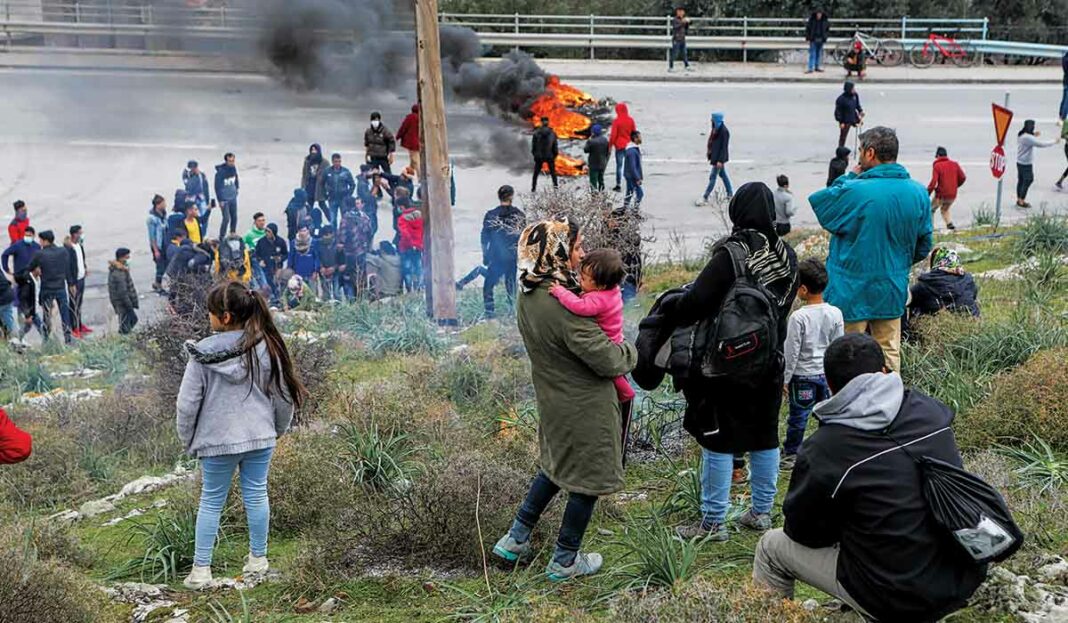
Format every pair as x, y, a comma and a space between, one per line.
237, 396
600, 274
810, 331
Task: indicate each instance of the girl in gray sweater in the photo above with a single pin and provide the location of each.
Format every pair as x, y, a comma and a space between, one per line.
237, 396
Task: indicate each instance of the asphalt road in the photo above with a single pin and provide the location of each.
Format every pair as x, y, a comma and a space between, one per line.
92, 147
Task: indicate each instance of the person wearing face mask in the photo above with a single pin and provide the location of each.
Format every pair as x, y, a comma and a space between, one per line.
17, 228
122, 291
879, 219
15, 262
379, 144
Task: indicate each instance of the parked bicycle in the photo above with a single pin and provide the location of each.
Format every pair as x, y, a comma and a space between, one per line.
888, 52
941, 46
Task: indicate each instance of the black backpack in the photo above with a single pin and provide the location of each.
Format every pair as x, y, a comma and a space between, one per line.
744, 337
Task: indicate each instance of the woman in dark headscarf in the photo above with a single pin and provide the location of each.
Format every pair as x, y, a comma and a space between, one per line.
725, 417
309, 174
580, 432
1026, 141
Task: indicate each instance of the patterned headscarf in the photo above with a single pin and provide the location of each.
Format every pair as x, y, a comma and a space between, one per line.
947, 261
545, 254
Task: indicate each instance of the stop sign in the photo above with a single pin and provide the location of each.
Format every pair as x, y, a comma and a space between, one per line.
997, 162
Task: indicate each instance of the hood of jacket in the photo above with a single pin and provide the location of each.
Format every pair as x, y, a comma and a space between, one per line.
869, 402
621, 110
889, 170
848, 87
117, 265
222, 353
226, 169
415, 108
717, 120
842, 153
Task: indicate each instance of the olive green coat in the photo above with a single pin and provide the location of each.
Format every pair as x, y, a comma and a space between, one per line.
572, 364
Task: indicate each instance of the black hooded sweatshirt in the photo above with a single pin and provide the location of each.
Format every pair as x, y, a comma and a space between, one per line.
847, 107
838, 165
747, 417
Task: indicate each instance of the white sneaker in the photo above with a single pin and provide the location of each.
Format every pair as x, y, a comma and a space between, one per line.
688, 68
198, 578
255, 564
701, 202
671, 70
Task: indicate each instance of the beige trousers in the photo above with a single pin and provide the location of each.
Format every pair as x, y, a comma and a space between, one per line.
887, 333
942, 205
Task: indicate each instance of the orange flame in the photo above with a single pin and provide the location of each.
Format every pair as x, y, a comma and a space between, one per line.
567, 94
556, 104
567, 166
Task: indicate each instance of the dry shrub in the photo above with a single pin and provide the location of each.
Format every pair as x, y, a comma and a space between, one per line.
312, 362
404, 403
592, 212
53, 474
1027, 400
723, 600
306, 483
51, 540
160, 345
42, 591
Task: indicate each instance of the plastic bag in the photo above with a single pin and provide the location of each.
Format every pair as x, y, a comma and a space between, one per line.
973, 512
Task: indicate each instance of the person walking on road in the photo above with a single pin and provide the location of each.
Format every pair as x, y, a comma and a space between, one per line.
53, 267
227, 186
633, 174
1062, 114
79, 271
680, 27
408, 135
597, 148
946, 178
717, 152
847, 111
500, 235
121, 290
379, 144
880, 225
619, 137
784, 205
1026, 141
817, 31
544, 148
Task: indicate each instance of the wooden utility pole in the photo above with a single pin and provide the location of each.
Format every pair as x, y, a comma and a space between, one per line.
434, 149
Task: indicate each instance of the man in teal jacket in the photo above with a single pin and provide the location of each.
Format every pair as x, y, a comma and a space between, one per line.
880, 225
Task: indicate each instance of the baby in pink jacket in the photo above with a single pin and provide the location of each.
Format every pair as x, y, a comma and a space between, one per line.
600, 274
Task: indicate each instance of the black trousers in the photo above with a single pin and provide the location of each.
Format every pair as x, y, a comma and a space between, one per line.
1025, 176
537, 171
76, 299
494, 273
382, 163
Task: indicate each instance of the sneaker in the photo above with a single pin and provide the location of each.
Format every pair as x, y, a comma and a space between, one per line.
255, 564
85, 330
1058, 185
198, 578
511, 551
701, 202
739, 476
761, 522
76, 333
688, 68
819, 70
808, 71
786, 463
617, 188
671, 70
585, 564
951, 227
705, 531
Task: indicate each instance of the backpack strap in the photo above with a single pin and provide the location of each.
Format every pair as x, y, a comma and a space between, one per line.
738, 258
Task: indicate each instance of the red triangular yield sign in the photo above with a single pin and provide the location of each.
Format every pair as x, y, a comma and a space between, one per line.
1002, 119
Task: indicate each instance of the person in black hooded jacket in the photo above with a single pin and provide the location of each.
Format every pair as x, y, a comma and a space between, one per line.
838, 165
723, 416
946, 286
847, 111
857, 525
544, 148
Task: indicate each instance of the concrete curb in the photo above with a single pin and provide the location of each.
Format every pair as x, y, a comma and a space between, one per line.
798, 80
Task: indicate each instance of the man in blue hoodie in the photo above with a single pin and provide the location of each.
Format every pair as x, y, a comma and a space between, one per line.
196, 186
880, 225
227, 186
717, 151
337, 185
632, 170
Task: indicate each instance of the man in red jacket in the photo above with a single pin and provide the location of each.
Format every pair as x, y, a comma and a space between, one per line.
15, 444
622, 128
408, 135
946, 178
17, 228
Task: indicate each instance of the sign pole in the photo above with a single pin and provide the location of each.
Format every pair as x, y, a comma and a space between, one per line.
1001, 183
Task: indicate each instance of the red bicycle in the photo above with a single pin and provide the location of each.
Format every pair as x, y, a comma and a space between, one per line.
943, 46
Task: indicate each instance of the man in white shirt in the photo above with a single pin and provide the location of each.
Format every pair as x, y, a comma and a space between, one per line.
79, 270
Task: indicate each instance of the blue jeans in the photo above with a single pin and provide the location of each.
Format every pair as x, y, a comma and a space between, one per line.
218, 471
619, 166
815, 55
803, 394
229, 218
1063, 114
577, 516
678, 50
8, 315
719, 172
716, 471
634, 190
412, 269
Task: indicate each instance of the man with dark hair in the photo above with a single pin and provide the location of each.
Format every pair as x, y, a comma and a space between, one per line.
52, 266
271, 253
680, 27
946, 178
544, 148
500, 237
196, 186
817, 31
379, 144
597, 162
857, 525
157, 238
632, 171
20, 254
17, 228
880, 225
79, 270
337, 185
122, 292
784, 205
227, 186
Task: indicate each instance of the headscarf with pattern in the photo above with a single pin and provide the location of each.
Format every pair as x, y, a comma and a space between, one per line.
545, 254
947, 261
773, 263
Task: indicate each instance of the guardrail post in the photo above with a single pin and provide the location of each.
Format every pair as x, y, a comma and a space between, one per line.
904, 26
671, 42
222, 15
517, 31
745, 39
986, 29
591, 36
